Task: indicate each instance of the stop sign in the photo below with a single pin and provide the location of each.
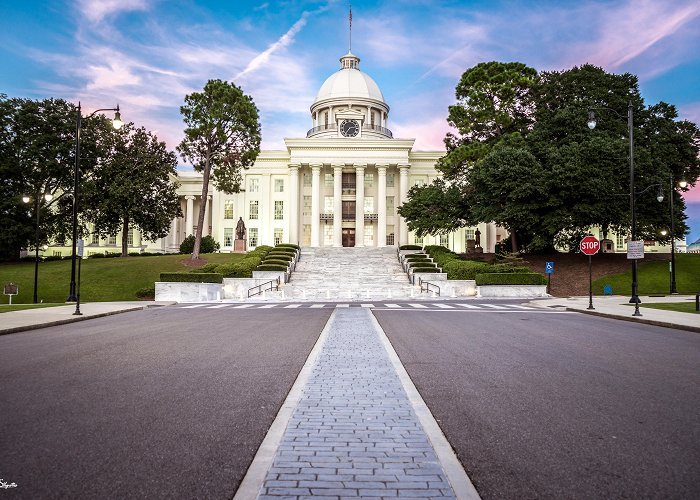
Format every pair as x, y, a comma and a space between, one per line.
589, 245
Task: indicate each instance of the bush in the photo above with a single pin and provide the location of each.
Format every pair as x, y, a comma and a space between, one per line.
289, 245
289, 251
207, 245
425, 270
49, 258
510, 279
96, 256
271, 267
208, 268
275, 262
410, 247
148, 292
417, 257
421, 263
464, 269
280, 256
191, 277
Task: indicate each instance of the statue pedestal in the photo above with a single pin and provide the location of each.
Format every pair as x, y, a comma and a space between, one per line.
239, 246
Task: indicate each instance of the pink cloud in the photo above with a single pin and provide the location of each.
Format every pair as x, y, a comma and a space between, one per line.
693, 195
429, 134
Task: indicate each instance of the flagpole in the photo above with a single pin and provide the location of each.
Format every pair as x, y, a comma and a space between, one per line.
350, 34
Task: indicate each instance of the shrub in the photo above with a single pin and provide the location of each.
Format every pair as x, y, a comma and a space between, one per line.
207, 245
261, 249
96, 256
208, 268
281, 256
275, 262
417, 257
421, 263
191, 277
28, 258
410, 247
271, 267
425, 270
290, 245
112, 255
146, 293
49, 258
284, 254
464, 269
510, 279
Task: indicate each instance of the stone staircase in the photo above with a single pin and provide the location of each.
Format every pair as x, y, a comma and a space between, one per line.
349, 274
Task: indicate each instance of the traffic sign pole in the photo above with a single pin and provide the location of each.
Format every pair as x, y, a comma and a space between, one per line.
590, 283
590, 245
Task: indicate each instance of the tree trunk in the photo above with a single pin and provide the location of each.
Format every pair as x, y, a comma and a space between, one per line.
125, 237
513, 241
202, 210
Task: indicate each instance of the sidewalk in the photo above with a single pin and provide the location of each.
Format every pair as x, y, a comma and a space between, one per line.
618, 307
29, 319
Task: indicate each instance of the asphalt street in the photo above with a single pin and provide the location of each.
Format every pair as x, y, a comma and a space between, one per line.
165, 403
558, 405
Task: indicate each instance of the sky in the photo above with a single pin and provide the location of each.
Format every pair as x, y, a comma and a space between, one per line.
146, 55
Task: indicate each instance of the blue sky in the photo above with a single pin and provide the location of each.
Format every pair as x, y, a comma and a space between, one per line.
147, 55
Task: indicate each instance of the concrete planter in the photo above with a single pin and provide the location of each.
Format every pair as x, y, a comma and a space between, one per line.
512, 291
188, 292
269, 275
428, 277
237, 288
458, 288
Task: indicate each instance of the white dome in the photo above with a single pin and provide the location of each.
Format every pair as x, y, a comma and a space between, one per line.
349, 82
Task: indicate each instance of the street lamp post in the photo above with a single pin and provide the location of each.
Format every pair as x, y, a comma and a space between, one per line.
682, 184
630, 130
37, 207
117, 124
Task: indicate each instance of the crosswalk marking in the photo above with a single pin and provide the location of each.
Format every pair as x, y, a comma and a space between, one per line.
367, 305
218, 306
317, 306
469, 306
342, 305
493, 306
418, 306
243, 306
406, 306
443, 306
268, 306
521, 307
193, 306
292, 306
393, 305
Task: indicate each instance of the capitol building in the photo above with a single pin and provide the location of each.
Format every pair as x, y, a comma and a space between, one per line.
340, 185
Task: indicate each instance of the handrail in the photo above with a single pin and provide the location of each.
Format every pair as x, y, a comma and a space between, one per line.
273, 284
320, 128
428, 284
377, 128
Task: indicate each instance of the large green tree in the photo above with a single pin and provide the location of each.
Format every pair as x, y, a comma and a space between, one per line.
132, 186
222, 136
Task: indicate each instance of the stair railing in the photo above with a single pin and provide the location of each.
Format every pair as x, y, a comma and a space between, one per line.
427, 286
263, 287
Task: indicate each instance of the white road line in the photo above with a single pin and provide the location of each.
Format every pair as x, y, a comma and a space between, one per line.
469, 306
418, 306
520, 307
443, 306
342, 305
268, 306
192, 307
393, 305
292, 306
317, 306
367, 305
492, 306
219, 306
243, 306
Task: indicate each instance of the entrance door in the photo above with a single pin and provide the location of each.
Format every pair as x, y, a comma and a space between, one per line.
348, 237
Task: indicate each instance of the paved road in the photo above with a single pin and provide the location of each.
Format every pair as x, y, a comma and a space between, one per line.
166, 403
559, 405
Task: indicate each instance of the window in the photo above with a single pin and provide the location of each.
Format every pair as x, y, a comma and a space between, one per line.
253, 185
112, 240
369, 235
390, 239
278, 235
279, 185
95, 238
419, 182
130, 237
228, 236
325, 118
444, 240
418, 240
253, 214
253, 237
369, 205
279, 210
328, 204
327, 235
390, 205
371, 118
369, 180
620, 243
390, 180
228, 209
307, 206
329, 180
306, 177
306, 234
468, 235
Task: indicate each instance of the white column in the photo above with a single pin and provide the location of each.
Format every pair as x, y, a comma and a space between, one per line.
337, 205
403, 193
491, 232
207, 217
189, 216
315, 205
172, 237
359, 205
294, 203
381, 206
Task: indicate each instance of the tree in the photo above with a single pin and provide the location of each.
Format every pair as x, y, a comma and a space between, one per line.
132, 186
222, 136
437, 208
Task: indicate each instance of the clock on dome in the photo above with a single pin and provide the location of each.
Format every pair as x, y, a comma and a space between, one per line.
349, 128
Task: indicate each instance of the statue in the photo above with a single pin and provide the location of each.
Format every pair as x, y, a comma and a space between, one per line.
477, 236
240, 229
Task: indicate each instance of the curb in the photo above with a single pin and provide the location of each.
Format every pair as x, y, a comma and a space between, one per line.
633, 319
25, 328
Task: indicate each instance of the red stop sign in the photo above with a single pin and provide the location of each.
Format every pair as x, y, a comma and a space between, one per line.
589, 245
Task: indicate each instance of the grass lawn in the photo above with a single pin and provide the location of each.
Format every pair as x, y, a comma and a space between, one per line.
20, 307
654, 277
686, 307
101, 280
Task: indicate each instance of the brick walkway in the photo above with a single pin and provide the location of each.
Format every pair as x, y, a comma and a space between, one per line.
354, 433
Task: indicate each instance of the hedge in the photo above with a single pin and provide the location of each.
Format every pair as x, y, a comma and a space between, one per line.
410, 247
281, 256
191, 277
290, 245
284, 254
271, 267
419, 258
465, 269
425, 269
510, 279
275, 262
422, 264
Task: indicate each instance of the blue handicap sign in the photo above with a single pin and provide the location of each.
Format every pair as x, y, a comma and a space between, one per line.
549, 267
607, 289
